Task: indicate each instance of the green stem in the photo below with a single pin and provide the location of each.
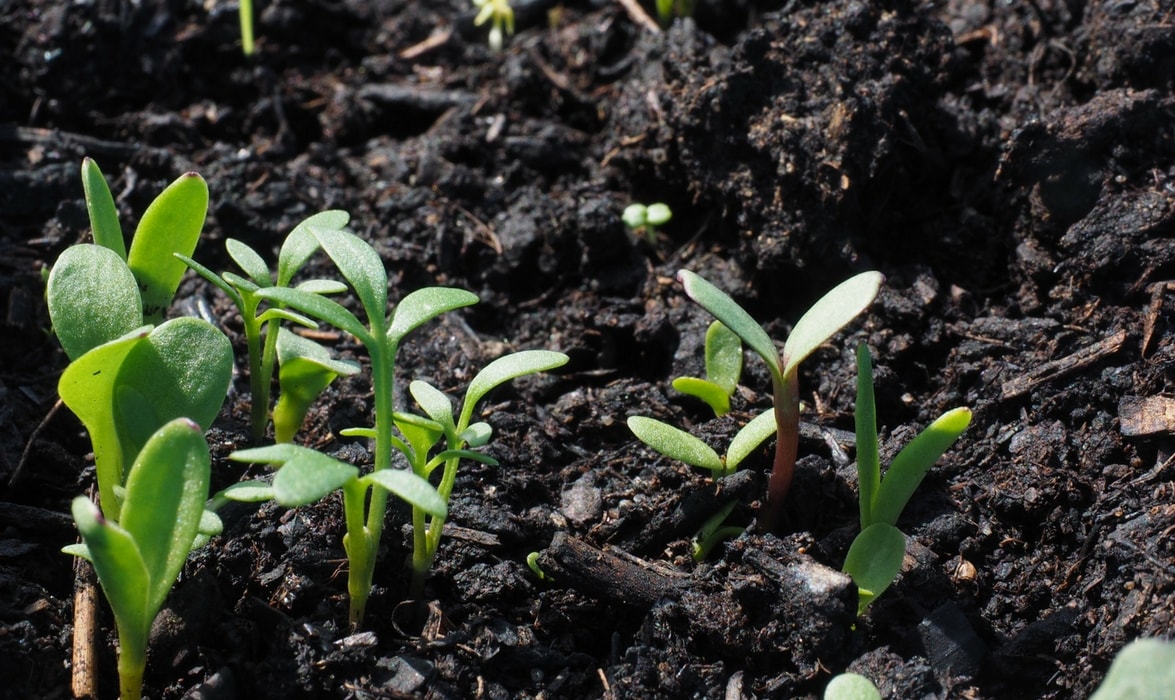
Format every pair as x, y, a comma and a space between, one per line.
258, 379
787, 420
132, 663
246, 17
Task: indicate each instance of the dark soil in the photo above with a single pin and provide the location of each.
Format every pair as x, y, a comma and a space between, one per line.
1010, 167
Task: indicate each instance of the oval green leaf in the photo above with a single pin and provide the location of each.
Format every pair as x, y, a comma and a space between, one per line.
101, 208
301, 243
423, 305
171, 224
503, 370
734, 317
361, 266
92, 297
675, 443
748, 439
874, 560
411, 488
829, 314
714, 396
249, 261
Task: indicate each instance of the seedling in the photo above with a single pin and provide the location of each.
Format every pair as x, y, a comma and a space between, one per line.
422, 435
644, 220
139, 558
245, 15
501, 16
828, 315
532, 561
128, 378
676, 443
261, 327
724, 366
851, 686
875, 556
713, 531
1144, 668
307, 369
668, 9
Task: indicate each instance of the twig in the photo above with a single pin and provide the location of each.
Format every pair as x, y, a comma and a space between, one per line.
28, 446
84, 681
638, 15
1058, 368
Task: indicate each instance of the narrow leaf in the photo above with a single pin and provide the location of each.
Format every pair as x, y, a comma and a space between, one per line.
868, 459
249, 261
247, 492
304, 475
165, 494
874, 560
423, 305
101, 208
733, 316
910, 466
301, 243
748, 439
503, 370
413, 489
320, 308
361, 266
92, 297
829, 314
674, 443
714, 396
322, 286
434, 402
120, 568
212, 278
171, 224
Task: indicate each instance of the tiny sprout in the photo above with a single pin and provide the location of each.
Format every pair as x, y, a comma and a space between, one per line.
668, 9
532, 561
641, 219
503, 20
875, 556
851, 686
724, 366
828, 315
677, 444
713, 531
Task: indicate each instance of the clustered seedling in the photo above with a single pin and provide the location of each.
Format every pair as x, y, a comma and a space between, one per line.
676, 443
644, 220
828, 315
876, 554
724, 366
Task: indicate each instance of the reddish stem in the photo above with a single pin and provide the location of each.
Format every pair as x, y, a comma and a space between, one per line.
787, 439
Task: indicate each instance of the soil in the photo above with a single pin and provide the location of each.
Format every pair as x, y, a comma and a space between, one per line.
1009, 166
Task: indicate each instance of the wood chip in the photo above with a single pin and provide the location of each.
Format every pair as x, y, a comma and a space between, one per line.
1066, 365
1146, 415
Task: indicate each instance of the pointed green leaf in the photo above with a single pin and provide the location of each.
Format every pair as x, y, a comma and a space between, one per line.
291, 346
322, 287
319, 307
910, 466
361, 266
423, 305
103, 212
874, 560
301, 243
286, 315
410, 488
304, 476
212, 278
78, 550
249, 261
244, 284
734, 317
247, 492
675, 443
503, 370
165, 494
868, 458
472, 455
121, 571
420, 432
434, 402
92, 297
724, 356
714, 396
748, 439
829, 314
171, 224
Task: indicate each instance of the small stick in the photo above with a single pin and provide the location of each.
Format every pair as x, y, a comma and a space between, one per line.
84, 681
1084, 357
603, 574
638, 15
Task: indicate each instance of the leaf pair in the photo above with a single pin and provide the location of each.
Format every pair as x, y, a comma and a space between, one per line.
677, 444
875, 556
139, 558
724, 367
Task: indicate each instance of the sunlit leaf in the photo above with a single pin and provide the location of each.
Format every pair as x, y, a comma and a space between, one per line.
829, 314
675, 443
171, 224
874, 560
733, 316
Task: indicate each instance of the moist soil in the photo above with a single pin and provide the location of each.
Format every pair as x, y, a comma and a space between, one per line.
1009, 166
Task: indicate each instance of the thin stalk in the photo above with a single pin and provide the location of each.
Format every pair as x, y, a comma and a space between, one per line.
382, 374
423, 558
258, 386
245, 12
786, 393
132, 663
268, 357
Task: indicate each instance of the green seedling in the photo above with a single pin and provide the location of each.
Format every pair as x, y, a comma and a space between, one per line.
668, 9
644, 220
307, 369
851, 686
1143, 669
261, 326
422, 436
245, 15
532, 561
828, 315
876, 554
724, 366
676, 443
96, 293
139, 558
128, 378
501, 18
713, 531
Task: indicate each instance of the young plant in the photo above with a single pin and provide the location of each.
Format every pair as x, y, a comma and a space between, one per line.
668, 9
828, 315
676, 443
501, 16
644, 220
261, 326
876, 554
713, 531
307, 369
128, 378
724, 366
422, 435
139, 558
